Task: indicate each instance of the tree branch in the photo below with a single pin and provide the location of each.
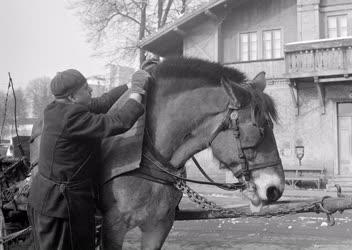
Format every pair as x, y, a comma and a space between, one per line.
130, 17
160, 11
166, 12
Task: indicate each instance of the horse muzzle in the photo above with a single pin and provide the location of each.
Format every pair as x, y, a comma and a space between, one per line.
270, 183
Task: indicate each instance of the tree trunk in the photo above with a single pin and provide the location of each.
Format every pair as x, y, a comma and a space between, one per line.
2, 227
160, 12
166, 12
142, 30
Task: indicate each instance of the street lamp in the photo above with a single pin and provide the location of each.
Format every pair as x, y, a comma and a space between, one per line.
299, 153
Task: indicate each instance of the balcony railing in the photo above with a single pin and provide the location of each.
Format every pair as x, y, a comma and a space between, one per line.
326, 57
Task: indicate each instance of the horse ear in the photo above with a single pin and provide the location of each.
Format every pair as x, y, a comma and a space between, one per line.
259, 81
239, 95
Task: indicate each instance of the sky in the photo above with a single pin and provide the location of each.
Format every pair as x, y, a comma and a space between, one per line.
41, 37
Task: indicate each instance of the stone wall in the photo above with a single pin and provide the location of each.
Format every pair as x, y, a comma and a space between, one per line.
317, 132
310, 128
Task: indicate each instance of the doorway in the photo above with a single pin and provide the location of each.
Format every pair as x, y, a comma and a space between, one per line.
344, 121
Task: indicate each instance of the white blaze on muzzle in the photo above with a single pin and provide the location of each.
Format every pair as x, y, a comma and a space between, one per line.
264, 181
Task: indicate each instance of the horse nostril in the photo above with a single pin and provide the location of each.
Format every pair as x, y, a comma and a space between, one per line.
273, 193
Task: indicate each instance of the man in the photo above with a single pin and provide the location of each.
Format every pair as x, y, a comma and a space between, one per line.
62, 197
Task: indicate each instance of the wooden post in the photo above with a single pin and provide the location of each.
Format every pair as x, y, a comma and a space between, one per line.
2, 228
321, 94
294, 95
331, 204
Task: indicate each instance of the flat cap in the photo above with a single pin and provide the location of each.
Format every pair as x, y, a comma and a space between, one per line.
66, 83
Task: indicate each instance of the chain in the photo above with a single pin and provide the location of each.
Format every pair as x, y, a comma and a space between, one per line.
15, 235
8, 194
11, 184
196, 197
24, 190
219, 211
232, 212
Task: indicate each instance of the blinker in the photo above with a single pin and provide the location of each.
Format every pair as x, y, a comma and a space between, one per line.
250, 135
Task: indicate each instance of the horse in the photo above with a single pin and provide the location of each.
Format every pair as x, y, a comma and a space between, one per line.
193, 105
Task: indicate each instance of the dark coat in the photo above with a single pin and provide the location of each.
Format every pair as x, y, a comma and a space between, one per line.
69, 147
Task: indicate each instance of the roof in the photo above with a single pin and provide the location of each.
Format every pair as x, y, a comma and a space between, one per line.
96, 77
169, 32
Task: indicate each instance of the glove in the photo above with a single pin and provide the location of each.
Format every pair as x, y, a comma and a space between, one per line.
139, 82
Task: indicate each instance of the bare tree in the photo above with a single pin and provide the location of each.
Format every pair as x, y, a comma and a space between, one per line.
21, 105
116, 26
163, 13
39, 95
7, 109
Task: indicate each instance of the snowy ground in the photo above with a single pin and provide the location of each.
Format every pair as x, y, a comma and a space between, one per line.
301, 231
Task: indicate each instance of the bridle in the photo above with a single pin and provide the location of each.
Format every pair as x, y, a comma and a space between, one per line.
230, 121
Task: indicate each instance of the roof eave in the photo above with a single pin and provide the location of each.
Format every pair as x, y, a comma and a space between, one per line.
178, 24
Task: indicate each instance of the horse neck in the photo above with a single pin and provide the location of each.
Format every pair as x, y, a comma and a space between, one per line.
172, 117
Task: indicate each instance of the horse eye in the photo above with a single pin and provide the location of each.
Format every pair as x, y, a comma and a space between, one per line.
187, 136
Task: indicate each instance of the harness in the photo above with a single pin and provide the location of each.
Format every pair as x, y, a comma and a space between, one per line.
230, 121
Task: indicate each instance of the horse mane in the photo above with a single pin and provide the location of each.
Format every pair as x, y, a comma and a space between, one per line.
263, 103
188, 67
212, 72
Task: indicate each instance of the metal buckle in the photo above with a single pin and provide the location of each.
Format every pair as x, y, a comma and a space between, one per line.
234, 115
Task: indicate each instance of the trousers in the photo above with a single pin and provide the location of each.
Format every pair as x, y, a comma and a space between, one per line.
51, 233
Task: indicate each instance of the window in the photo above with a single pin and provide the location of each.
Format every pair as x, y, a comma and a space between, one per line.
272, 44
344, 109
337, 26
248, 46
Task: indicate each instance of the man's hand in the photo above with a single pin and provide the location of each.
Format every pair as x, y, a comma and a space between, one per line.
136, 97
139, 82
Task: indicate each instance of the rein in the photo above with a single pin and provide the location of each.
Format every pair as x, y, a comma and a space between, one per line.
160, 166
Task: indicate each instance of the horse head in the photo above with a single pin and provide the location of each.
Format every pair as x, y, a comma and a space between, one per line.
195, 104
250, 150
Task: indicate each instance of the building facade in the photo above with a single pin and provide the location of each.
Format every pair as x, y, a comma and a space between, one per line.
305, 48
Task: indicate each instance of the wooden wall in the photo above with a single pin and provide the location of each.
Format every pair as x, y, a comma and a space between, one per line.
272, 68
201, 41
258, 16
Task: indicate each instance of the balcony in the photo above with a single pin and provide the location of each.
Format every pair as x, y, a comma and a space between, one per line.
319, 58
